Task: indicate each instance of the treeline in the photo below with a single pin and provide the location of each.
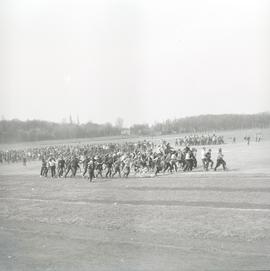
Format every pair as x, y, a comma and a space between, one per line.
35, 130
204, 123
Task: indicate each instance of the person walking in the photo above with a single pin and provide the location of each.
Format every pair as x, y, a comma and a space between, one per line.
220, 160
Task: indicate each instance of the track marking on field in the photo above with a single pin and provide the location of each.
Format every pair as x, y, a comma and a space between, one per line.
197, 204
195, 174
132, 242
209, 188
120, 242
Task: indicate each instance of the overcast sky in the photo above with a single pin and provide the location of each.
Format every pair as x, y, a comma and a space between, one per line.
142, 60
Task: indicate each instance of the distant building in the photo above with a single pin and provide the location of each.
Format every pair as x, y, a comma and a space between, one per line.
125, 131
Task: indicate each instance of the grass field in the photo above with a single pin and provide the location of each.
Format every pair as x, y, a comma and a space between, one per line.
239, 134
184, 221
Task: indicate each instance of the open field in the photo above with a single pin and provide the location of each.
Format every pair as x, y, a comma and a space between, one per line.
239, 134
185, 221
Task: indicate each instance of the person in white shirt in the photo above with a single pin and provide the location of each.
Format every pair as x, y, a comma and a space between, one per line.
188, 160
52, 165
203, 157
220, 160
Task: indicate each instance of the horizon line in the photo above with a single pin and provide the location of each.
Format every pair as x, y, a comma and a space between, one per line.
76, 121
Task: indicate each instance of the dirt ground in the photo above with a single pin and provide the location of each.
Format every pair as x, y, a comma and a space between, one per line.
184, 221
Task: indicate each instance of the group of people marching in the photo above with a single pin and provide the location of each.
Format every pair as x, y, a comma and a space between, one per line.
199, 140
36, 153
121, 159
207, 161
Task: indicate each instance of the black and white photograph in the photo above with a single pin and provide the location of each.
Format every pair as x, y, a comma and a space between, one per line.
134, 135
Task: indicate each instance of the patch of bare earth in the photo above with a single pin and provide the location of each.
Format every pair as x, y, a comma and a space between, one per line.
193, 221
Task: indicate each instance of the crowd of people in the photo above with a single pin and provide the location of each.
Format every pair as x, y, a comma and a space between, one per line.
114, 159
199, 140
14, 156
120, 160
31, 154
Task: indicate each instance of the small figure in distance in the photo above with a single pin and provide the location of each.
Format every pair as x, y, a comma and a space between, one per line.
203, 157
61, 166
24, 160
220, 160
209, 160
43, 170
91, 170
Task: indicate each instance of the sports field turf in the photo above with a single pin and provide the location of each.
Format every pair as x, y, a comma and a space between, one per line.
184, 221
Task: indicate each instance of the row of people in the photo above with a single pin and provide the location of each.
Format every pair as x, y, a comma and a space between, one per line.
196, 140
32, 154
36, 153
155, 161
